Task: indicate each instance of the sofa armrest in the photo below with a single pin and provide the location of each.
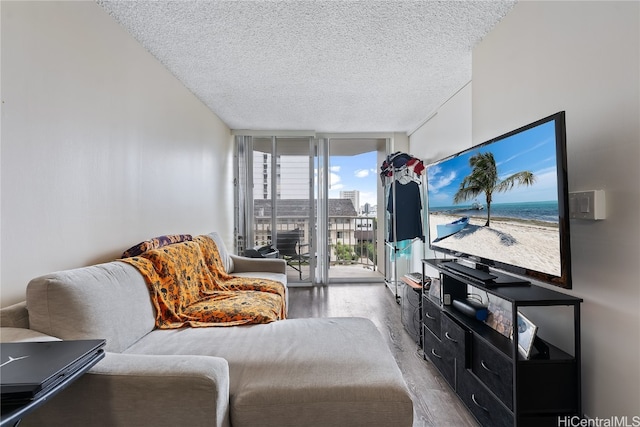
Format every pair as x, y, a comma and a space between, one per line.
136, 390
269, 265
23, 335
15, 316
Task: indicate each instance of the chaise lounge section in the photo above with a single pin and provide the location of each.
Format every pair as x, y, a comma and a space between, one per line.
291, 372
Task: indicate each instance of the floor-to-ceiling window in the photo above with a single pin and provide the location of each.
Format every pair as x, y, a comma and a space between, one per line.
314, 201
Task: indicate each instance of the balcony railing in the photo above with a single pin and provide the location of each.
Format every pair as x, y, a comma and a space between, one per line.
352, 241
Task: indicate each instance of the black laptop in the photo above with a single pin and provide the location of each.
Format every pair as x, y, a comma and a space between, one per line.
31, 369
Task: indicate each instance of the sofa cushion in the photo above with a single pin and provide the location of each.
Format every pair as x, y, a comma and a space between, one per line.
324, 371
109, 301
227, 262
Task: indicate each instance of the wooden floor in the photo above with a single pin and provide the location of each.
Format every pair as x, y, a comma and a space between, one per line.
434, 402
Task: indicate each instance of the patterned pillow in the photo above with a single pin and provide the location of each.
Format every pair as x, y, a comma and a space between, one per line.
155, 243
227, 262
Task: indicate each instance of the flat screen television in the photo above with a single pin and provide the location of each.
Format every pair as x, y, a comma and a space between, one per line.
503, 204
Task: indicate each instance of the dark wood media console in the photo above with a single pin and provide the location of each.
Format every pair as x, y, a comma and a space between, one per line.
499, 385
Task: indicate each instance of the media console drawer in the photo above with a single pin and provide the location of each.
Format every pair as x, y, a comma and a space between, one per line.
440, 356
494, 369
485, 407
431, 316
454, 337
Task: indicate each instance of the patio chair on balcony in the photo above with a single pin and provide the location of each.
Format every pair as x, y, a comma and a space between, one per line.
291, 249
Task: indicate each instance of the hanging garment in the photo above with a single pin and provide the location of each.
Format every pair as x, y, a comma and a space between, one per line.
402, 250
399, 160
408, 218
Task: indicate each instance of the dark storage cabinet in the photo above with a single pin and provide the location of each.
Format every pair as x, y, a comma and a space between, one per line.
411, 311
498, 385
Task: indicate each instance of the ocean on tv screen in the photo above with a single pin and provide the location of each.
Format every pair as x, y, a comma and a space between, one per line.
546, 211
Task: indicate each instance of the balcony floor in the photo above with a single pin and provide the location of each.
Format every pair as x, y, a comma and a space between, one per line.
353, 272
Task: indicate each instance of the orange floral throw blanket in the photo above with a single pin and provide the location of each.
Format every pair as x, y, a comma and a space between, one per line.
189, 287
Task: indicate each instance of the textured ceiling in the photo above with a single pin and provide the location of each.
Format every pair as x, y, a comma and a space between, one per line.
328, 66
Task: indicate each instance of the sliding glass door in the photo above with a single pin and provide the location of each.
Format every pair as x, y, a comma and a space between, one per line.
278, 220
352, 204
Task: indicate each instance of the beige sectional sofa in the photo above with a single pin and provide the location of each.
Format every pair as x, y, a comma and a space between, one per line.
293, 372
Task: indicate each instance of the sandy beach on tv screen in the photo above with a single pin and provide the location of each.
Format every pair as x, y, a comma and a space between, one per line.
506, 240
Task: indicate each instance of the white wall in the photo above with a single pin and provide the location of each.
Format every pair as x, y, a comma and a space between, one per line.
445, 133
448, 131
101, 146
581, 57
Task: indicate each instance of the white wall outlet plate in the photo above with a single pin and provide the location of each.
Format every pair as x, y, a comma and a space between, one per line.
587, 205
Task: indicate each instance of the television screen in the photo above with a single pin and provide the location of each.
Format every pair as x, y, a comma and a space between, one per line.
504, 203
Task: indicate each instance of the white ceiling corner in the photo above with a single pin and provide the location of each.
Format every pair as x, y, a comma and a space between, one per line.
329, 66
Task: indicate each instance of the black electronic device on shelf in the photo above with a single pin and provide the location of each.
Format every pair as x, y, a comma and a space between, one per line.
482, 275
471, 308
472, 273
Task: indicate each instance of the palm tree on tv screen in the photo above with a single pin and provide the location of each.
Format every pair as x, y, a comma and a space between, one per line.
484, 178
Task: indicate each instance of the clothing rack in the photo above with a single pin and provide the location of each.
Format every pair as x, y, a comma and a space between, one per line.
403, 180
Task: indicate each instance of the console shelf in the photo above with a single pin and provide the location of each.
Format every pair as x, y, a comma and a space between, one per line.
499, 385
